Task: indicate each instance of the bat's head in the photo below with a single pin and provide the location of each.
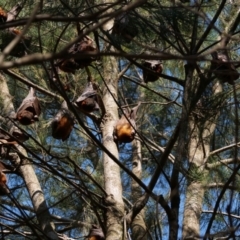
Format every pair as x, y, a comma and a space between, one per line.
25, 117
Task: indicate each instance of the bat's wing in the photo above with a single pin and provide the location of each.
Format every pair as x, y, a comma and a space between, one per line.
30, 103
88, 92
36, 107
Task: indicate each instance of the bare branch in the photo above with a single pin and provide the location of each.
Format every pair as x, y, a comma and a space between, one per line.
222, 162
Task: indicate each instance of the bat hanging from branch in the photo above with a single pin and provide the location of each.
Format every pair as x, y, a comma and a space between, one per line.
223, 68
155, 66
62, 123
86, 45
124, 129
29, 110
9, 34
88, 101
124, 26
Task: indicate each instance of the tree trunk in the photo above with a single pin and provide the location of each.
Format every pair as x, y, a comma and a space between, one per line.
113, 185
112, 178
27, 172
138, 224
199, 148
181, 150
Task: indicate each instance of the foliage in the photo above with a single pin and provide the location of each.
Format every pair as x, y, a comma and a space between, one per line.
181, 34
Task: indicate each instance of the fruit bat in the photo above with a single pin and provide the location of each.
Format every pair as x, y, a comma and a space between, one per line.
62, 123
84, 46
9, 34
96, 233
3, 15
29, 110
75, 63
3, 180
22, 46
124, 27
223, 69
68, 65
12, 14
124, 129
88, 101
154, 65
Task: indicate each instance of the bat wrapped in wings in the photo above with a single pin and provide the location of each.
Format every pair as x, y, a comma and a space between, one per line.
124, 129
76, 62
9, 34
85, 46
155, 66
62, 123
124, 26
88, 101
29, 110
223, 68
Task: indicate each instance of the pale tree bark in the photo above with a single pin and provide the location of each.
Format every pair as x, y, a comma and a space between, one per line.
112, 178
139, 230
199, 149
27, 172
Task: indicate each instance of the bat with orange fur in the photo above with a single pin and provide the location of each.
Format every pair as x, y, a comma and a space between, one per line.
62, 123
3, 15
3, 180
95, 233
124, 129
29, 110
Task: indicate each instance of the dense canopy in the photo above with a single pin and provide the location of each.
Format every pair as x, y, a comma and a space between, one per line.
119, 119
